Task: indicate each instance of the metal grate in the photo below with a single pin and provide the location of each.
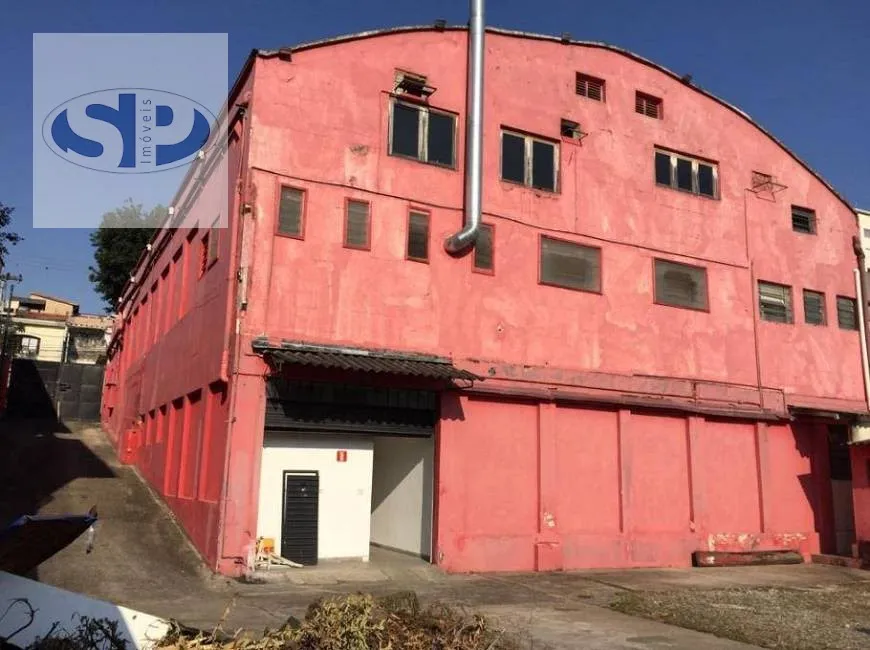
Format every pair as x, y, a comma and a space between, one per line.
356, 231
775, 303
290, 211
803, 220
300, 523
814, 307
847, 313
569, 265
648, 105
680, 285
590, 87
483, 249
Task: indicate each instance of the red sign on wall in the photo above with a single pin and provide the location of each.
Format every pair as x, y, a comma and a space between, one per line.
341, 456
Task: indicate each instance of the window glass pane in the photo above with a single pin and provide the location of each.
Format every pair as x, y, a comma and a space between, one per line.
684, 174
513, 156
706, 186
406, 126
775, 302
543, 165
663, 168
483, 249
803, 220
814, 307
570, 265
847, 316
680, 285
356, 232
418, 236
290, 212
440, 138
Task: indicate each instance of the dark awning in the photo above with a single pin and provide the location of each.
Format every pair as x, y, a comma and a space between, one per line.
362, 360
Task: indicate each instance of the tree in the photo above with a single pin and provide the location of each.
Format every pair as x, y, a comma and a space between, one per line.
7, 238
118, 243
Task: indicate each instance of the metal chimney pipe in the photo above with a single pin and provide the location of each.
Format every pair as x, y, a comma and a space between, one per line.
473, 134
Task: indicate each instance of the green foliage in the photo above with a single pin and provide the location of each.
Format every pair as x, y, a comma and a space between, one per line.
7, 238
118, 243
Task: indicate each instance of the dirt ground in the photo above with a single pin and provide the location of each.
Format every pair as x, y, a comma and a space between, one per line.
807, 618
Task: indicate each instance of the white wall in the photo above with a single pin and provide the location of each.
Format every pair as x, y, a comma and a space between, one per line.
402, 494
345, 490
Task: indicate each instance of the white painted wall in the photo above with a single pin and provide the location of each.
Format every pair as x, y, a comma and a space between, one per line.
345, 490
402, 494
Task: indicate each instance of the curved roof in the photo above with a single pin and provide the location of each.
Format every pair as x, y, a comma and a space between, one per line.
567, 41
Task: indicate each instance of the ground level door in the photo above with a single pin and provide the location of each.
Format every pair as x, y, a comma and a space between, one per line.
299, 521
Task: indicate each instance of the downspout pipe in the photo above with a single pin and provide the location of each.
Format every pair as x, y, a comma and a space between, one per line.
466, 237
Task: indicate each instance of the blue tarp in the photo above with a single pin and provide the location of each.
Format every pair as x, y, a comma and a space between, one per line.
30, 540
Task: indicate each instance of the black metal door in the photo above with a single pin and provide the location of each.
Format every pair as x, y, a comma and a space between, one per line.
299, 526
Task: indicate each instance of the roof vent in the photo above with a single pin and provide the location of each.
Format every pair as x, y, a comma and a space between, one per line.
408, 83
440, 24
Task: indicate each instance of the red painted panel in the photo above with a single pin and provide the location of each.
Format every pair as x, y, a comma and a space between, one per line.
787, 480
655, 474
217, 445
587, 470
725, 477
192, 445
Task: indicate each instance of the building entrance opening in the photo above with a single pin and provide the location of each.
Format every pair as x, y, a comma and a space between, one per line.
841, 489
347, 473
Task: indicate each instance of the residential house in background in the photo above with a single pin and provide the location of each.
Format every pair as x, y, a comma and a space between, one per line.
40, 325
864, 225
648, 347
48, 328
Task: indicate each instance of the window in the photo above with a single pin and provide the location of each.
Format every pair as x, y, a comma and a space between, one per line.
803, 220
680, 285
774, 301
529, 160
203, 254
356, 225
28, 346
418, 236
867, 232
484, 260
290, 211
648, 105
422, 133
569, 265
688, 174
847, 313
570, 129
814, 308
590, 87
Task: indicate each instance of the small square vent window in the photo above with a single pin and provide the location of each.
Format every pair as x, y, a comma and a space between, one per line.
803, 220
648, 105
590, 87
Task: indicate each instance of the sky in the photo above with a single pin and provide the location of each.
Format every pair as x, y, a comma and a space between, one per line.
801, 68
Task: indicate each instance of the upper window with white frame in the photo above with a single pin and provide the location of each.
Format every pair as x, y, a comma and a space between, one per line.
422, 133
529, 160
688, 174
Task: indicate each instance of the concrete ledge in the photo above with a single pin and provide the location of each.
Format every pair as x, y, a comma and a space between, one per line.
745, 558
839, 560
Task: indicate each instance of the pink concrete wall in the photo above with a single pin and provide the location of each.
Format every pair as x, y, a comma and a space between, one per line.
606, 488
320, 291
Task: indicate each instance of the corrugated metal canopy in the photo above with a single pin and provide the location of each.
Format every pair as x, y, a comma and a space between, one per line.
369, 361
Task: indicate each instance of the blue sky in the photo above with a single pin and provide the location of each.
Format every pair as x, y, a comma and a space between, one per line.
799, 67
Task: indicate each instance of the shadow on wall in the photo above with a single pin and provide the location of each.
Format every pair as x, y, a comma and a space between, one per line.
30, 389
37, 460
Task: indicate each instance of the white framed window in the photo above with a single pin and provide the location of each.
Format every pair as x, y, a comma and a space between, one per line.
688, 174
529, 160
28, 346
422, 133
